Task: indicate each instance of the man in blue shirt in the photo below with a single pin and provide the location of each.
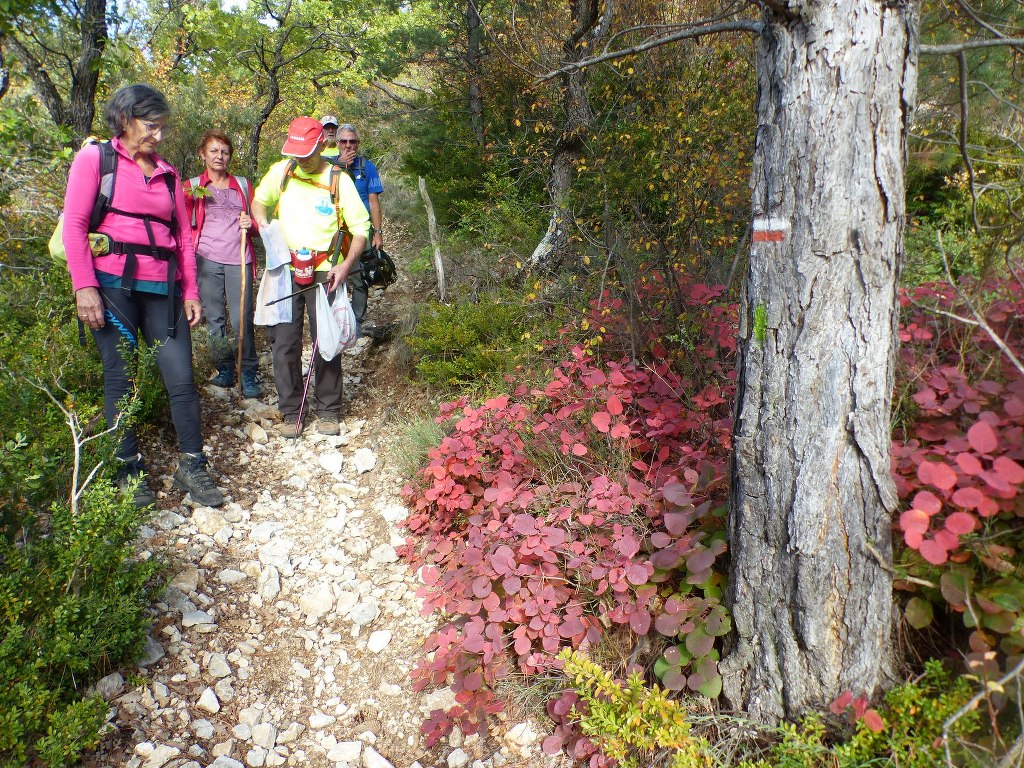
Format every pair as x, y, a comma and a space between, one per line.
368, 185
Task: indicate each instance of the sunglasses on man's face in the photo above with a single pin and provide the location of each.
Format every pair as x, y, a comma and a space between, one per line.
353, 142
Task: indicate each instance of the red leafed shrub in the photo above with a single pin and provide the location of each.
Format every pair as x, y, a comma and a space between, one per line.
959, 463
549, 515
857, 709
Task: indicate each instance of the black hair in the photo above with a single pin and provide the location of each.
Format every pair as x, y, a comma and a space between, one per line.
138, 100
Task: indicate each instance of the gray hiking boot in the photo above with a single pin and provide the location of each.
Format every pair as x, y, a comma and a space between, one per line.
192, 477
131, 478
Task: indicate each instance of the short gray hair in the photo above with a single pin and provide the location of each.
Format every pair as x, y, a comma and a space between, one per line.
348, 127
138, 100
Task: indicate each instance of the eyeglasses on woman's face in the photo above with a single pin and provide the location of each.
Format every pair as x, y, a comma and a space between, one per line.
153, 127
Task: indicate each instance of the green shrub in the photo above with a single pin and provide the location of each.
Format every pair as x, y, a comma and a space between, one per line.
910, 737
73, 597
465, 342
630, 722
73, 602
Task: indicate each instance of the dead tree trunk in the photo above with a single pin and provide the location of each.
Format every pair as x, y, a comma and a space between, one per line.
813, 495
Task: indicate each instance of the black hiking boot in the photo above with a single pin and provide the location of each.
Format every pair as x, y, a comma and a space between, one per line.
192, 477
131, 479
225, 376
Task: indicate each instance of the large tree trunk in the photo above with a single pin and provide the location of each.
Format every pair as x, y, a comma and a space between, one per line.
813, 496
270, 102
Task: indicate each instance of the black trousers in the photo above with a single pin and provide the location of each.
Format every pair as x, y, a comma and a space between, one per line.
129, 317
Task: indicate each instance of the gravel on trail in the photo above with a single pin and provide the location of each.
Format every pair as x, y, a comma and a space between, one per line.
290, 627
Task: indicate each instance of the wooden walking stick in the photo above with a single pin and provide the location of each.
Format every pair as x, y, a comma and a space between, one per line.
241, 314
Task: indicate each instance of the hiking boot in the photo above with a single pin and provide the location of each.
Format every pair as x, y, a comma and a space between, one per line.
225, 376
250, 386
288, 429
327, 425
131, 478
192, 477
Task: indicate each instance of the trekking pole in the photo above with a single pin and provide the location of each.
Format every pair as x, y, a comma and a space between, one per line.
305, 389
241, 313
294, 293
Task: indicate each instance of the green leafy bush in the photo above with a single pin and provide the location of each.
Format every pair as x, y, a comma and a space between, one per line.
910, 735
630, 722
73, 603
466, 342
73, 596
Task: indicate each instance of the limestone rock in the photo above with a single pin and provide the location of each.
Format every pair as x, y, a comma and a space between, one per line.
208, 701
264, 735
345, 752
151, 653
256, 433
160, 755
363, 460
208, 520
373, 759
332, 462
379, 640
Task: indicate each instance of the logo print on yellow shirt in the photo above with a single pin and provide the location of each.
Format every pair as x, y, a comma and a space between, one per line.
324, 207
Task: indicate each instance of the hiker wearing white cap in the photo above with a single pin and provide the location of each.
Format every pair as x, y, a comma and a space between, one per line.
316, 205
330, 124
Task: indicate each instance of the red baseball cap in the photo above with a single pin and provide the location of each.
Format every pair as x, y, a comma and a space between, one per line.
304, 134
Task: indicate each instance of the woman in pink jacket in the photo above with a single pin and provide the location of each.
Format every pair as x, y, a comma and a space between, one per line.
137, 278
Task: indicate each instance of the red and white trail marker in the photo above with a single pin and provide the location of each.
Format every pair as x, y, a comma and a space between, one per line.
768, 229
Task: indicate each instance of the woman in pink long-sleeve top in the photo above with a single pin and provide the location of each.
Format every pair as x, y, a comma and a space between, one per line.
139, 280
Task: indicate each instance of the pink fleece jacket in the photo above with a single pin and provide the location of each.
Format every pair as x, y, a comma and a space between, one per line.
131, 193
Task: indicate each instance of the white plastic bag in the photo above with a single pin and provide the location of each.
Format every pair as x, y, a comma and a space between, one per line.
277, 249
275, 284
335, 325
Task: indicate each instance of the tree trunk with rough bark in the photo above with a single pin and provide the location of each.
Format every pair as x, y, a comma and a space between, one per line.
86, 77
474, 59
271, 99
78, 111
589, 25
813, 495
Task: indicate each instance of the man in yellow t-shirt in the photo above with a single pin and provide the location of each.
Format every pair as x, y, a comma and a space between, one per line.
310, 220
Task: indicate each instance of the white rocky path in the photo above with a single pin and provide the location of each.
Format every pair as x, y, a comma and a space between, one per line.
290, 629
